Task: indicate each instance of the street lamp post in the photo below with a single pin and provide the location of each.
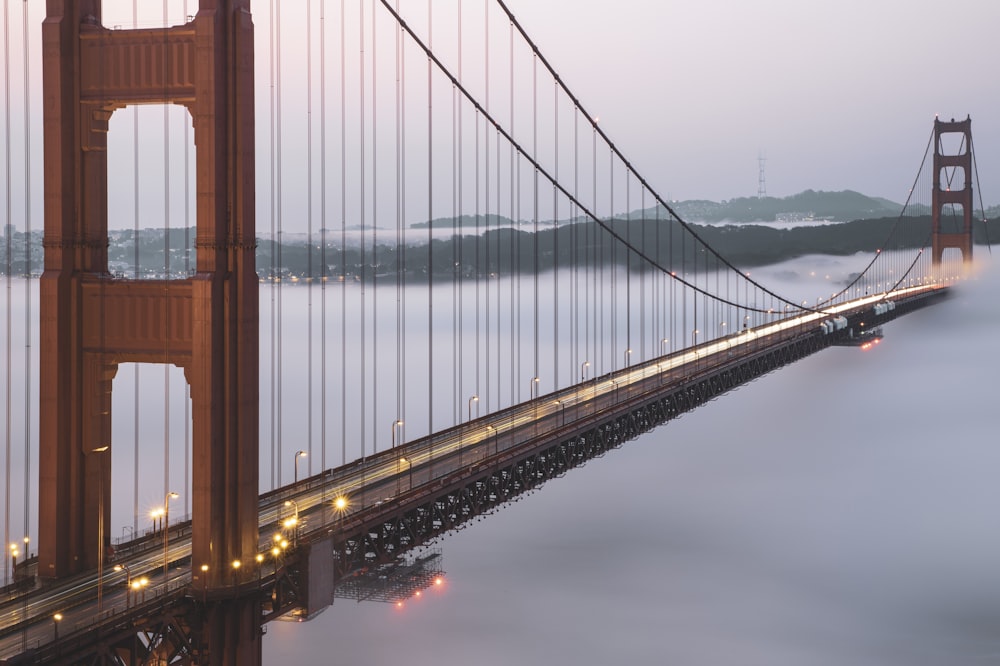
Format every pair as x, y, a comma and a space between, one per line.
473, 399
628, 353
562, 404
583, 370
663, 346
298, 454
100, 526
128, 583
532, 386
409, 467
166, 532
395, 424
157, 517
496, 436
293, 522
56, 619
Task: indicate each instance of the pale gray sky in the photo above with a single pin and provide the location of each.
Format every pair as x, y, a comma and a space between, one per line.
835, 95
838, 95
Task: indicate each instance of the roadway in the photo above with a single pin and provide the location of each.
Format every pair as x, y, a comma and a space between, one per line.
378, 480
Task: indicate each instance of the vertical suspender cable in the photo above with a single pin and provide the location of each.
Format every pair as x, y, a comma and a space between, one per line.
374, 261
628, 268
166, 275
322, 230
402, 208
27, 277
278, 209
187, 274
135, 275
361, 219
343, 237
8, 262
534, 191
486, 197
515, 243
309, 239
555, 243
430, 231
614, 261
456, 240
274, 247
499, 318
591, 289
642, 277
576, 241
479, 272
399, 228
534, 211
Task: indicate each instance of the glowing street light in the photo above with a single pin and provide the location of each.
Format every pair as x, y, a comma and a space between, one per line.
409, 466
157, 514
292, 523
532, 386
583, 370
340, 505
292, 503
473, 399
140, 585
628, 353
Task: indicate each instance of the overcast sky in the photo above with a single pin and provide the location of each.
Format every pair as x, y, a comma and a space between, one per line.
836, 95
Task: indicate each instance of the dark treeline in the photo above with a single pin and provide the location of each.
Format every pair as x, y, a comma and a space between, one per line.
510, 251
507, 250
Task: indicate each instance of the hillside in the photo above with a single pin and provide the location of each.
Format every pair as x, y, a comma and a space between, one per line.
811, 204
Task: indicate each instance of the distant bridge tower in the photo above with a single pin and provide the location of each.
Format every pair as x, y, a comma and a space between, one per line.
944, 195
207, 324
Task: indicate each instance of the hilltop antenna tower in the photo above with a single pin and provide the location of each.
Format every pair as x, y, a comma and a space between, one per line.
761, 179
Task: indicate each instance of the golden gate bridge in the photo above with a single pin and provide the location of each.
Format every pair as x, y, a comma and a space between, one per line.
572, 310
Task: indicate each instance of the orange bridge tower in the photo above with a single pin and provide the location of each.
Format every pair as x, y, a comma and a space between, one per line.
958, 235
206, 324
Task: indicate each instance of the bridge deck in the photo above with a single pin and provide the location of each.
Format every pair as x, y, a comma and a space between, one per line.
401, 498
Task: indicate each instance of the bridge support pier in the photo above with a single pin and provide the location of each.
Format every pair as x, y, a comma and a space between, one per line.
230, 632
